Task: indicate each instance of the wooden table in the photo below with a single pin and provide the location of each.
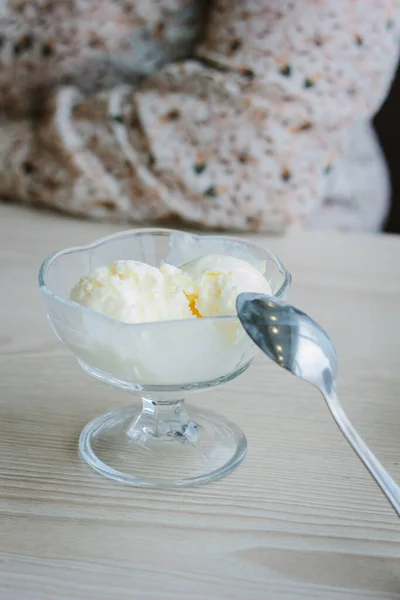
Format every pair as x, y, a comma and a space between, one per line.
299, 519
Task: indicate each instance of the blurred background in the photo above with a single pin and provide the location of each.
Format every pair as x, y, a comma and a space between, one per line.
147, 140
387, 125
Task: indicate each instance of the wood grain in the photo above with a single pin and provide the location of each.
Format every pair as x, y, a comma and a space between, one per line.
299, 519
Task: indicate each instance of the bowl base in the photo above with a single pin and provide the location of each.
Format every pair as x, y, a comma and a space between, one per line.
120, 446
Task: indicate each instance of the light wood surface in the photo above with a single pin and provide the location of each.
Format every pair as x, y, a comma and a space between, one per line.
299, 519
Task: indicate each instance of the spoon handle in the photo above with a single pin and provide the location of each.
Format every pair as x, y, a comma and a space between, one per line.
381, 476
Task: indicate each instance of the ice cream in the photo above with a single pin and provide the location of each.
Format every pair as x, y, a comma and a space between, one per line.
135, 292
216, 280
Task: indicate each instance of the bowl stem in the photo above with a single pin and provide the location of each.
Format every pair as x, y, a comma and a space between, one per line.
163, 421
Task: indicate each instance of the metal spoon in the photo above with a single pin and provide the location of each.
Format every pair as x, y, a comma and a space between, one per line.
297, 343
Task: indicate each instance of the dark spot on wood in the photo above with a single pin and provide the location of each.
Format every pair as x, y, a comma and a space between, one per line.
117, 119
47, 50
28, 167
199, 168
318, 41
152, 161
308, 83
286, 70
211, 192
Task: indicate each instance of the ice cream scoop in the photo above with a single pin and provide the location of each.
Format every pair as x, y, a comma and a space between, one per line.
135, 292
216, 281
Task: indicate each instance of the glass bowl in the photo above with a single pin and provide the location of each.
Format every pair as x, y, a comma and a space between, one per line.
158, 442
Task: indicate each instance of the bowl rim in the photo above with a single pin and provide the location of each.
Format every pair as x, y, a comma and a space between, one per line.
287, 277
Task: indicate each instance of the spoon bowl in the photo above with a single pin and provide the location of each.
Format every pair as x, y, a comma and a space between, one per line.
290, 338
299, 344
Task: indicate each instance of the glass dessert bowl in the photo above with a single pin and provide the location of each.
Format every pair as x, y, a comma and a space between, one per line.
160, 441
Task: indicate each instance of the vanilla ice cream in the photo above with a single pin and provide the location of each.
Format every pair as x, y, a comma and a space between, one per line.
183, 347
135, 292
216, 280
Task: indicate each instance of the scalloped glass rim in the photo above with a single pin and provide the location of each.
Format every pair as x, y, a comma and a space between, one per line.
145, 231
